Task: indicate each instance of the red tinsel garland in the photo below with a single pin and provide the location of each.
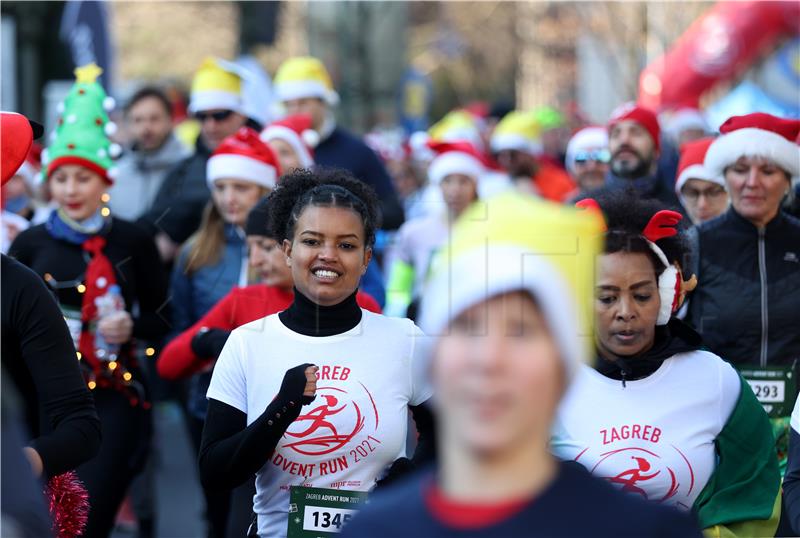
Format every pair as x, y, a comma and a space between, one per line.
69, 504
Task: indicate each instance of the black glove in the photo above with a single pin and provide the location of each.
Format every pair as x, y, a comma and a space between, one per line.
399, 468
285, 408
208, 344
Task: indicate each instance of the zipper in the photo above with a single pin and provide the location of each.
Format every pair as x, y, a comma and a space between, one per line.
762, 273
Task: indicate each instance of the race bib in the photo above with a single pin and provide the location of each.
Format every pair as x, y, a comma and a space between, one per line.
317, 512
73, 319
774, 386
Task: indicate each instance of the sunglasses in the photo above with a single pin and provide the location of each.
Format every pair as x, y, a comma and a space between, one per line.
598, 155
221, 115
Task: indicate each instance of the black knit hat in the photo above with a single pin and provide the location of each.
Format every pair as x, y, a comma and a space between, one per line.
257, 220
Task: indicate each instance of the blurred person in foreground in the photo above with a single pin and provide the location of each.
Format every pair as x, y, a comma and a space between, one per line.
153, 152
217, 103
588, 158
701, 192
304, 86
516, 144
505, 347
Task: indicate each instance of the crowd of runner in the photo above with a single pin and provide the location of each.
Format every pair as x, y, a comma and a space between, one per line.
512, 324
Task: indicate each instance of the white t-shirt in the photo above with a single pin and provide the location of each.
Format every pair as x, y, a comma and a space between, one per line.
357, 424
654, 437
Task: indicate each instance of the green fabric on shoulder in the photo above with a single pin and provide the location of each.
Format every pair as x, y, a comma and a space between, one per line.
745, 486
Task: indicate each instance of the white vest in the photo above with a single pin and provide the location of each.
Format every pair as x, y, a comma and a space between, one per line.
654, 437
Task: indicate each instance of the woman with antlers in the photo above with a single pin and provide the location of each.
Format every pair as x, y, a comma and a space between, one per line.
669, 422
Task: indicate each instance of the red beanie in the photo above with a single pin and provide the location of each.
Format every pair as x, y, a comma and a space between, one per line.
644, 117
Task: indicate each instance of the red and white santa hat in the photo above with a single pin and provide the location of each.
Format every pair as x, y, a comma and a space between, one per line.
757, 135
644, 117
244, 156
296, 131
691, 165
458, 157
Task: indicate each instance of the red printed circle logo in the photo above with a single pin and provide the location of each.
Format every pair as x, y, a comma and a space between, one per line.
643, 472
320, 430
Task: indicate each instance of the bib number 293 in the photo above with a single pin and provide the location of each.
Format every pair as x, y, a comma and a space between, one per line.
317, 518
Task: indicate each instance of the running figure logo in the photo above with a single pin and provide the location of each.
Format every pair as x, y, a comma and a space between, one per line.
317, 432
628, 479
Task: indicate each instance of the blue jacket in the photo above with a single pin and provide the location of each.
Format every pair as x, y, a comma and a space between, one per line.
343, 150
192, 295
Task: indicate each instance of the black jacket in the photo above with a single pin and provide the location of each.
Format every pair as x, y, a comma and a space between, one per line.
747, 302
178, 206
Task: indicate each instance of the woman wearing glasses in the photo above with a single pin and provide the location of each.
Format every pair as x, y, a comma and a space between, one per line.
701, 192
110, 287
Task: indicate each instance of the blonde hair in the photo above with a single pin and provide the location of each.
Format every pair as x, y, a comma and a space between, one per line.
207, 244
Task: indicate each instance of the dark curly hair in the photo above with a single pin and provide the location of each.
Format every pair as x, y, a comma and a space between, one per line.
321, 188
627, 215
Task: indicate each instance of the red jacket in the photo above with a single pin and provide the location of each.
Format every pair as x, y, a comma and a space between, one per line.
240, 306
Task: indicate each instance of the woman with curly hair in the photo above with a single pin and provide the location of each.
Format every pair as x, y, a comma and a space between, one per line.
361, 370
670, 422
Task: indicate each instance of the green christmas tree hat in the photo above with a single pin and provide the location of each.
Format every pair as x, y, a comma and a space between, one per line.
81, 136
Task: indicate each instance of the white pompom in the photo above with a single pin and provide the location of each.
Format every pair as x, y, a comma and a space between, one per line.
109, 103
60, 107
53, 135
115, 150
418, 142
45, 156
112, 172
110, 129
310, 137
102, 153
72, 118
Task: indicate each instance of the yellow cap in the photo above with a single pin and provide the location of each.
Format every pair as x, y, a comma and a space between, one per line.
215, 86
456, 125
304, 76
514, 242
518, 130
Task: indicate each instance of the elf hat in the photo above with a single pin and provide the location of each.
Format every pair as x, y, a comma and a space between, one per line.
691, 164
244, 156
81, 136
304, 76
296, 131
457, 125
756, 135
514, 242
587, 139
518, 130
455, 158
17, 134
644, 117
216, 85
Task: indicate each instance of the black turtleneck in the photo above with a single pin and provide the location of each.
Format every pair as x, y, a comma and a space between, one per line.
306, 317
675, 337
231, 451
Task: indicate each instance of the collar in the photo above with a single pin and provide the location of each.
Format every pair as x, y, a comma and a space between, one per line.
234, 233
644, 185
741, 223
671, 339
328, 126
306, 317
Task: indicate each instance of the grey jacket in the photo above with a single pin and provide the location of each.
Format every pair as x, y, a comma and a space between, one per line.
140, 175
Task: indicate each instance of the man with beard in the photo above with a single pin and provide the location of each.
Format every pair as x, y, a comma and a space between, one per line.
633, 140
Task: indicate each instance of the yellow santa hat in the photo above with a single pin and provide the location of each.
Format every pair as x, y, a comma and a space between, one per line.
216, 85
304, 76
514, 242
519, 130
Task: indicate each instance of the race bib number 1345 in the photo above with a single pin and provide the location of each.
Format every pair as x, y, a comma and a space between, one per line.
319, 512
